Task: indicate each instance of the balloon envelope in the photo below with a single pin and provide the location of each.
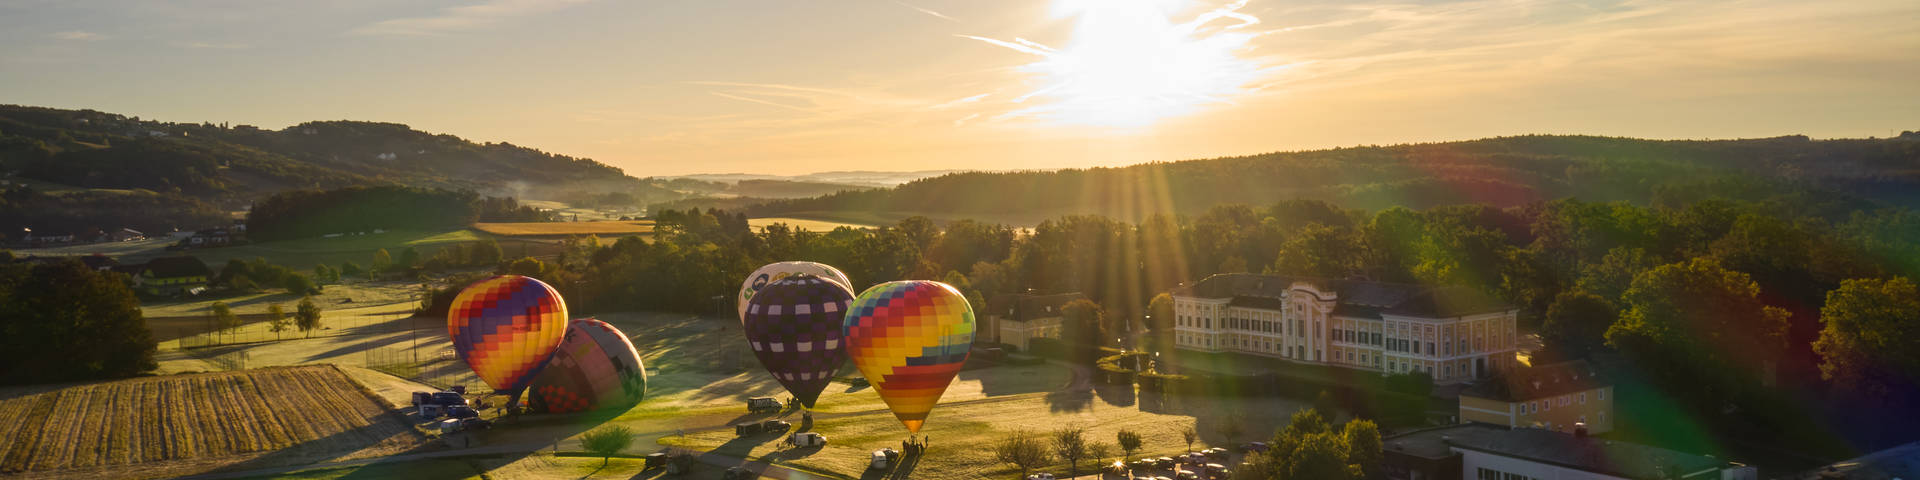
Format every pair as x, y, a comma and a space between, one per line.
505, 327
909, 339
794, 327
595, 367
773, 272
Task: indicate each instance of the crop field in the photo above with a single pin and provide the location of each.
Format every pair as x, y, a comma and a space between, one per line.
197, 422
808, 224
546, 229
300, 254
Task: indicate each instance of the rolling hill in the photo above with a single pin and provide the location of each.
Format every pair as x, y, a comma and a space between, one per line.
1829, 177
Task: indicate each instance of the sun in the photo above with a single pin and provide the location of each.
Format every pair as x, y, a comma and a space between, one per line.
1130, 63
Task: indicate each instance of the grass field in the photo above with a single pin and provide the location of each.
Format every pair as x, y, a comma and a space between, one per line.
551, 229
293, 414
300, 254
808, 224
1021, 219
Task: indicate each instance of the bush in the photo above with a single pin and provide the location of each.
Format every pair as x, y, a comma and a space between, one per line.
607, 441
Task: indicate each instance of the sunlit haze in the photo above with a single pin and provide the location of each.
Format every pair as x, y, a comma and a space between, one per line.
783, 87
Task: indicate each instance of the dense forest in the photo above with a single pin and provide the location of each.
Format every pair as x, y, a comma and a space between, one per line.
1504, 172
229, 167
81, 212
313, 213
1709, 299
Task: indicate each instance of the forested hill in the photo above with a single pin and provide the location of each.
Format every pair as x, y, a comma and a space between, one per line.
1835, 175
232, 165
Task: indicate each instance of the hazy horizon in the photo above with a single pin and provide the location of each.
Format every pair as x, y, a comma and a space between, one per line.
777, 88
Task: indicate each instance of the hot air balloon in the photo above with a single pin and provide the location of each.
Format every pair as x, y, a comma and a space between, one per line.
505, 327
773, 272
595, 367
794, 327
909, 339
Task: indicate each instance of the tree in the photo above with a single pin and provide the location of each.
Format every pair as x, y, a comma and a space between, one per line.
1700, 329
66, 322
1129, 442
1320, 456
1577, 323
1865, 341
382, 260
1071, 444
1364, 447
1081, 325
298, 284
1160, 316
1232, 426
487, 252
409, 258
607, 441
1318, 251
277, 319
1190, 434
325, 274
307, 316
1023, 449
527, 267
1099, 451
351, 270
223, 317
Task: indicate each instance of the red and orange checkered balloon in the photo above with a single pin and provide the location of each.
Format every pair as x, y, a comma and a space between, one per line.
505, 327
909, 339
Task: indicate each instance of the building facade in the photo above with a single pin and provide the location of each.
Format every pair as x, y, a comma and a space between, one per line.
1017, 319
1490, 452
1454, 334
1554, 397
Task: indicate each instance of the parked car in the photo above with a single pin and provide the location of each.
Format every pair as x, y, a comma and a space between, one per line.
737, 473
1040, 476
1215, 470
774, 426
1164, 463
1186, 475
1215, 453
762, 404
475, 424
1141, 464
743, 429
1259, 447
807, 439
1196, 458
448, 398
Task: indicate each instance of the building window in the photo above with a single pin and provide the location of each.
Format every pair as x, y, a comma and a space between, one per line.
1603, 394
1583, 399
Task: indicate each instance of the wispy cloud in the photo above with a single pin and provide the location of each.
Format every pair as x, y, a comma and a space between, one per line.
462, 18
79, 36
924, 10
212, 45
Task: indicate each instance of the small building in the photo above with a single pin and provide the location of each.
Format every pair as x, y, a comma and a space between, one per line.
212, 237
126, 235
1553, 397
1890, 464
1480, 451
1015, 319
172, 276
100, 262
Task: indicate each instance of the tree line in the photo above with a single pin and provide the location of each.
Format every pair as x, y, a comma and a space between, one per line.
313, 213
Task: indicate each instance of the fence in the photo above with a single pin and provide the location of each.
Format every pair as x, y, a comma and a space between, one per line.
261, 330
439, 367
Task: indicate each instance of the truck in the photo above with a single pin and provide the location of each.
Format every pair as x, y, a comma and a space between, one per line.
883, 459
762, 404
807, 439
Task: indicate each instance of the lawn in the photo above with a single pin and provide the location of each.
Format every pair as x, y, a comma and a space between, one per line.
293, 415
808, 224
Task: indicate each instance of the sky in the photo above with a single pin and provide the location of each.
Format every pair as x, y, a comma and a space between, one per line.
668, 87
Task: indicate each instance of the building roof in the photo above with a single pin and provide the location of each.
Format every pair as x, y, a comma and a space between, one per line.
1897, 462
1356, 298
174, 267
1026, 306
1531, 383
98, 261
1607, 457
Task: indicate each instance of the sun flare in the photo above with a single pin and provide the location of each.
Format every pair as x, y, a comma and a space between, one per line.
1130, 63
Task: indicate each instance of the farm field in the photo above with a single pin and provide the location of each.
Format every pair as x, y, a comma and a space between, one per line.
195, 423
343, 306
300, 254
858, 218
550, 229
808, 224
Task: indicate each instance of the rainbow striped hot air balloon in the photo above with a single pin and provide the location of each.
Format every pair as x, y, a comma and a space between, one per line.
595, 367
909, 339
505, 327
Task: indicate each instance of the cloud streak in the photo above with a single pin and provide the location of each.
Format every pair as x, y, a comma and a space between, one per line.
926, 11
464, 18
78, 36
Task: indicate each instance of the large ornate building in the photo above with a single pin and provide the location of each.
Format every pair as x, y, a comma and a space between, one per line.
1454, 334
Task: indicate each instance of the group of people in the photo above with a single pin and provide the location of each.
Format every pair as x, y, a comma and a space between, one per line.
914, 445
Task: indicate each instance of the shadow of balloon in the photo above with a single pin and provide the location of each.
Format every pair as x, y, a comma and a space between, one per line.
1069, 401
1116, 395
